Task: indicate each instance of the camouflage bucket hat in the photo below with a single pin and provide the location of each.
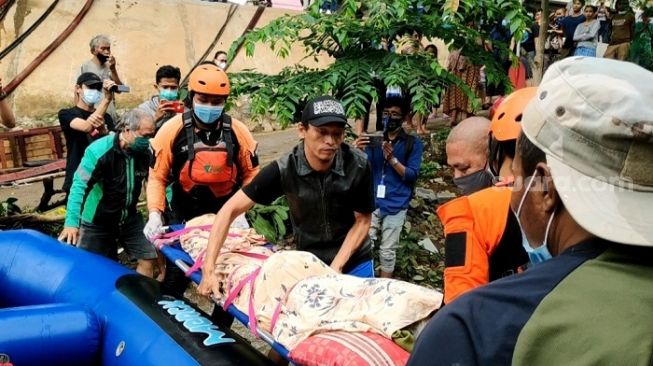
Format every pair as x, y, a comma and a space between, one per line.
593, 118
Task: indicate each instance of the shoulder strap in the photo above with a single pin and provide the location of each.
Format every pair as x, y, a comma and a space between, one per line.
190, 133
410, 143
228, 138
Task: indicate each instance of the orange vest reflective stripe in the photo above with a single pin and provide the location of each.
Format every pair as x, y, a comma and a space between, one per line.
473, 228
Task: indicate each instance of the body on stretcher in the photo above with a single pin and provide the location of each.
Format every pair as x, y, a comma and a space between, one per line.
288, 298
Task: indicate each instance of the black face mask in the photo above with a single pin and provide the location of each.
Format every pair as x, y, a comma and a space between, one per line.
475, 182
102, 58
392, 124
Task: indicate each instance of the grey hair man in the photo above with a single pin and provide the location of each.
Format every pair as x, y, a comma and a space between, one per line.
101, 207
467, 152
103, 64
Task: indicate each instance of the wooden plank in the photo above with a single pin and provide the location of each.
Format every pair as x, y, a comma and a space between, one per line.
55, 140
22, 148
30, 132
14, 152
40, 178
40, 145
32, 172
37, 138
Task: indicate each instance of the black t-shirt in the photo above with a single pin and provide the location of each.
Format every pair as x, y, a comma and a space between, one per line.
266, 187
529, 44
76, 141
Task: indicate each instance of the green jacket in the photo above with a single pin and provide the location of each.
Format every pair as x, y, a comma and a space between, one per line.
107, 184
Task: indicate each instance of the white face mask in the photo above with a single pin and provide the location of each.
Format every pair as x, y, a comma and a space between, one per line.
222, 65
540, 253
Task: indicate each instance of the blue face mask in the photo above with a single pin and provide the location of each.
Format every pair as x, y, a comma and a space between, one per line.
91, 96
541, 253
206, 113
168, 94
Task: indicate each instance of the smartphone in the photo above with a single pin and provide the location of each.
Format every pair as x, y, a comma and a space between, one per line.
375, 139
177, 106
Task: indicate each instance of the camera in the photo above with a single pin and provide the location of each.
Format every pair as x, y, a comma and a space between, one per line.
374, 139
120, 89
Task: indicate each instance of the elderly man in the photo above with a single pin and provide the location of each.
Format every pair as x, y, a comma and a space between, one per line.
586, 160
102, 203
103, 64
467, 151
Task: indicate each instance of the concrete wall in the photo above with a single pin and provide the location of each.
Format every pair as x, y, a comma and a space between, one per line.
145, 33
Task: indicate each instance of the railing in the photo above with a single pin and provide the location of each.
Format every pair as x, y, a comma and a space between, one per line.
21, 151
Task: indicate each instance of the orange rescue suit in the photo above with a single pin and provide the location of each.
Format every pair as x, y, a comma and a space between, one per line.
482, 240
219, 177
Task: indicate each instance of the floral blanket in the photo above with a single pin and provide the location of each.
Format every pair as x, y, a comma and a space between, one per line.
295, 295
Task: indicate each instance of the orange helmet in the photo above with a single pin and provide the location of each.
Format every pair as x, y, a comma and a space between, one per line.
209, 79
506, 121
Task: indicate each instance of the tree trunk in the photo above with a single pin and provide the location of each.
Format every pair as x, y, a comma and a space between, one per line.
539, 45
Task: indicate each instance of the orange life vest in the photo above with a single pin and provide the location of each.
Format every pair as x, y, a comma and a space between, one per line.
209, 165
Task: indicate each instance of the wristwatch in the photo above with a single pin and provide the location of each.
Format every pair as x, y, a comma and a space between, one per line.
394, 161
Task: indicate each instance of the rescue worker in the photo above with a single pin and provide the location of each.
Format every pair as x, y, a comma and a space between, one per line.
483, 241
204, 154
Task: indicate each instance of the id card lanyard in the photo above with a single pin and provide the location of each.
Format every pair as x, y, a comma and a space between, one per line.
380, 189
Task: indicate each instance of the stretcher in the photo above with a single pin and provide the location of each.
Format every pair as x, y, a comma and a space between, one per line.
178, 256
311, 327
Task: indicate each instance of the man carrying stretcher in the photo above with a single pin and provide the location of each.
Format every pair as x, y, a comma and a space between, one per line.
328, 185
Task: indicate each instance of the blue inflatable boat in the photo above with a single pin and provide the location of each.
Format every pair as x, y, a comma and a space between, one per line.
60, 305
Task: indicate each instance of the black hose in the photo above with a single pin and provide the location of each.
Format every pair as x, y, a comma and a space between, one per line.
5, 9
29, 30
230, 13
48, 50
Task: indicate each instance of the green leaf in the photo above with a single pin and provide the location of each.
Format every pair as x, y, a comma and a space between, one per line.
263, 227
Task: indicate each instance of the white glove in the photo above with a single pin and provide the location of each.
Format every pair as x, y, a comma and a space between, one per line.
154, 226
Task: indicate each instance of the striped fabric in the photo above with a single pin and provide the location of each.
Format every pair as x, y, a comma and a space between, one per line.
348, 349
585, 51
